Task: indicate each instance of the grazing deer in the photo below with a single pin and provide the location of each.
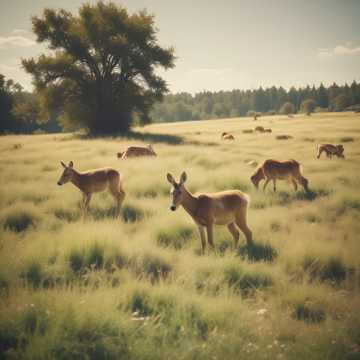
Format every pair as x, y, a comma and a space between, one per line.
221, 208
330, 150
227, 136
259, 129
280, 170
93, 181
135, 151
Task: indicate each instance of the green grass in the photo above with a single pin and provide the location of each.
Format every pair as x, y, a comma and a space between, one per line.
137, 286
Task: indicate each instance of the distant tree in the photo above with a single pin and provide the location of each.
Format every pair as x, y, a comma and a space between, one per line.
287, 108
102, 68
322, 96
8, 119
308, 106
6, 104
340, 103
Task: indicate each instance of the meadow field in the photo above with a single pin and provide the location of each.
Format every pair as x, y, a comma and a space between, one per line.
137, 287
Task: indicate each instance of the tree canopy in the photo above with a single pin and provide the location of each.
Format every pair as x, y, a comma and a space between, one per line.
308, 106
287, 108
100, 73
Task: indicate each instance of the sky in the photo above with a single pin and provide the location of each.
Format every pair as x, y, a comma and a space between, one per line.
222, 45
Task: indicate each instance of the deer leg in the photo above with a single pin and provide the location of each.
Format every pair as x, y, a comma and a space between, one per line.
234, 232
210, 236
86, 201
202, 238
241, 223
118, 194
274, 182
266, 183
295, 184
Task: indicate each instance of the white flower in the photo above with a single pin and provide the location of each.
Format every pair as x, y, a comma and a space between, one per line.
262, 312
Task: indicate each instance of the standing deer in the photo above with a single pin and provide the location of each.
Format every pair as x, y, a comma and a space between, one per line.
330, 150
93, 181
280, 170
221, 208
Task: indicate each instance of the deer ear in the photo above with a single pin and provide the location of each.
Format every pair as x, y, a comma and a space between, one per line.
170, 178
63, 165
71, 164
183, 177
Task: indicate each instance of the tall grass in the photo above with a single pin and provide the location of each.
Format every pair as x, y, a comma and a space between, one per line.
137, 286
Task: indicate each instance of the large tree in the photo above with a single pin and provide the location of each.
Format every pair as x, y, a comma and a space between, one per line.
100, 73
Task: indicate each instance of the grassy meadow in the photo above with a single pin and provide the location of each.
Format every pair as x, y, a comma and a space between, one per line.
137, 287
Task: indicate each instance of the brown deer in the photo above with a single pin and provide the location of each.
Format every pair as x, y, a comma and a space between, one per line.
330, 150
221, 208
260, 129
227, 136
93, 181
280, 170
135, 151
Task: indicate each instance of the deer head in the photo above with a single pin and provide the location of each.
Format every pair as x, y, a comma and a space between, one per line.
177, 190
67, 174
257, 177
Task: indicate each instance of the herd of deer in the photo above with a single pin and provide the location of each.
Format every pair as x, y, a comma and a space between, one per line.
206, 209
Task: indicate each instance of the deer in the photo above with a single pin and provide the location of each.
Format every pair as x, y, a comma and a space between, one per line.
280, 170
208, 209
93, 181
330, 150
260, 129
135, 151
227, 136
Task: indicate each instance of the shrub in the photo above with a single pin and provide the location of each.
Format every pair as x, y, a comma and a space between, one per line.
309, 314
95, 256
90, 338
332, 269
176, 237
243, 282
139, 302
19, 220
257, 252
131, 213
33, 273
150, 266
67, 215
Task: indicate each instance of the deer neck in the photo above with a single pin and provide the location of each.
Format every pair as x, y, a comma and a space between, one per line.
189, 203
76, 179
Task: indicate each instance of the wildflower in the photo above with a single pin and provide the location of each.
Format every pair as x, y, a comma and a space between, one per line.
262, 312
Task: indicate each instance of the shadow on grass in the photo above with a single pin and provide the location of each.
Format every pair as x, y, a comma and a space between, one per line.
144, 137
155, 138
312, 194
128, 213
287, 197
257, 252
133, 135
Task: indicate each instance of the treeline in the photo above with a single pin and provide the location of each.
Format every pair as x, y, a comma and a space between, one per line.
235, 103
20, 111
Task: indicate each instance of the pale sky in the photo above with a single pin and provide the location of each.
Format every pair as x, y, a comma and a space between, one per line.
222, 45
